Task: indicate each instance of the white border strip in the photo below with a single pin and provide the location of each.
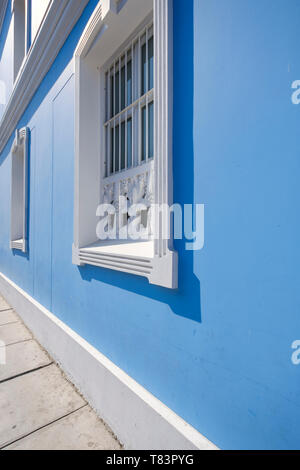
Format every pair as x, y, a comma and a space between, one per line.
138, 419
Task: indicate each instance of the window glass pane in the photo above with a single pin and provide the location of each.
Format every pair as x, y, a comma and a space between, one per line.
144, 69
123, 88
19, 40
151, 64
112, 144
151, 130
112, 104
129, 83
144, 133
123, 152
107, 137
38, 10
129, 143
117, 93
117, 145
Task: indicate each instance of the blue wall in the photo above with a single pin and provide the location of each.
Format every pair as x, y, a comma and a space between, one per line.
218, 350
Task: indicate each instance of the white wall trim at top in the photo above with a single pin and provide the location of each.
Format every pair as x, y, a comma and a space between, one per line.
138, 419
3, 6
57, 25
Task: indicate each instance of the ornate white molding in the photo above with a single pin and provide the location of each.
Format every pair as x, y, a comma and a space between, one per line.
57, 25
135, 186
19, 190
111, 24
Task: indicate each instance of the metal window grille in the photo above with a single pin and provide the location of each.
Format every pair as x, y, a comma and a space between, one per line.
129, 92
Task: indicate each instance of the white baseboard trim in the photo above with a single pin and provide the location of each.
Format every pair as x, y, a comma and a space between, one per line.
139, 420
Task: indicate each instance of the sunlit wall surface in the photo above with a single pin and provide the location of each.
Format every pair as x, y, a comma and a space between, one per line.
218, 350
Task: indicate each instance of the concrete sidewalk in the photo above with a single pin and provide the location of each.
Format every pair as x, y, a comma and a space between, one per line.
39, 407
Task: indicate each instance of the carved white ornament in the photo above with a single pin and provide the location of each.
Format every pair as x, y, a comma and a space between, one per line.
137, 190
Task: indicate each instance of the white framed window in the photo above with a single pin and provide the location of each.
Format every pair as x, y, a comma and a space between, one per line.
129, 100
19, 190
128, 128
21, 34
38, 9
123, 146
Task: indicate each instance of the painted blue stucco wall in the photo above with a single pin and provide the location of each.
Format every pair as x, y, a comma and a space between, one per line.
218, 350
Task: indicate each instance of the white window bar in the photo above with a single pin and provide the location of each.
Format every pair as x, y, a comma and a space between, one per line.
120, 109
114, 121
126, 106
132, 100
139, 104
147, 89
109, 162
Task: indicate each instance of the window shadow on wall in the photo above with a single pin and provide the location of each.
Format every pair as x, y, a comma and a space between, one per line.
186, 300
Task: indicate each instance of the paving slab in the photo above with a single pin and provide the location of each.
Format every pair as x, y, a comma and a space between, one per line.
23, 357
3, 304
35, 400
14, 333
8, 316
82, 430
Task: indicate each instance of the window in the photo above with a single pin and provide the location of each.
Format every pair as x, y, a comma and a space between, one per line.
19, 196
38, 9
123, 146
129, 82
27, 17
20, 34
128, 130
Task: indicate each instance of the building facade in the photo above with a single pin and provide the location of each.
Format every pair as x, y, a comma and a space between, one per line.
181, 341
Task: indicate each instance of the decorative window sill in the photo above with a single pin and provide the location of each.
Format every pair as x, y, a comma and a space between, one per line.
18, 245
120, 256
143, 249
133, 258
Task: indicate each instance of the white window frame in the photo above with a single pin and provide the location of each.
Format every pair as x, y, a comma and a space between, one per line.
111, 25
19, 190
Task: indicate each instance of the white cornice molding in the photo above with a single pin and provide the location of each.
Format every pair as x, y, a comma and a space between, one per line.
3, 6
57, 25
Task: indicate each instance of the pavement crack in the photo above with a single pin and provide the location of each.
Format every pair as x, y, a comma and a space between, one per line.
7, 444
10, 323
26, 373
